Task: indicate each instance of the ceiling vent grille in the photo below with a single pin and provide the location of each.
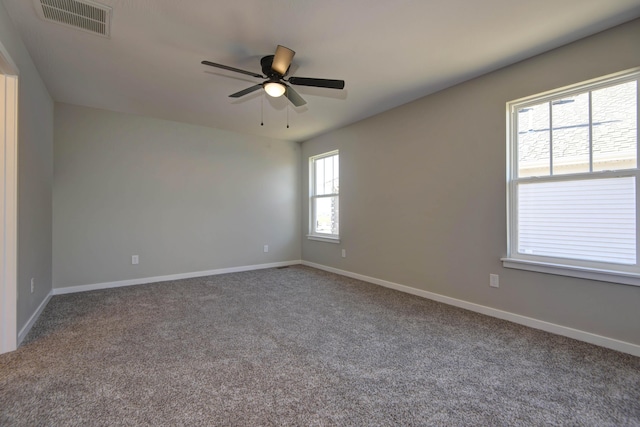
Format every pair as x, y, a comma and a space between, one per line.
84, 15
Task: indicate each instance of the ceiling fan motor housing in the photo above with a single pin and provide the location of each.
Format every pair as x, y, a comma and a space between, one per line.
267, 62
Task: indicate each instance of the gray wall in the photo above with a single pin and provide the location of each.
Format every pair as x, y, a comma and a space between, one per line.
35, 175
423, 194
184, 198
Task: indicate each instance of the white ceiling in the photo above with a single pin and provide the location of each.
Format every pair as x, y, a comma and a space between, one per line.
388, 52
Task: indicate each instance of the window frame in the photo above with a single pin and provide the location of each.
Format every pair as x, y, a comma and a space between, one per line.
313, 235
608, 272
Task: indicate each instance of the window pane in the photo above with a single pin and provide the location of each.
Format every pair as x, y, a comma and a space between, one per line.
592, 220
336, 174
326, 215
319, 176
570, 134
615, 128
533, 140
327, 170
328, 176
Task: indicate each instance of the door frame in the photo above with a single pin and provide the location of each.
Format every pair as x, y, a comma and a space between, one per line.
8, 202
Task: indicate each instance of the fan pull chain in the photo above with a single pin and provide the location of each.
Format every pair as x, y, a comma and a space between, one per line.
287, 115
262, 110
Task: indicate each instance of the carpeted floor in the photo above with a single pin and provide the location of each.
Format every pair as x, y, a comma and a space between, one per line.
298, 346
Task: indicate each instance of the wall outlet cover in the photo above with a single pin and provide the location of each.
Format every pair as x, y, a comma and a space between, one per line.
494, 280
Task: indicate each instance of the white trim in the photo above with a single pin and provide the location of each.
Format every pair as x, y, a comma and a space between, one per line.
323, 238
8, 206
622, 346
32, 320
144, 280
573, 271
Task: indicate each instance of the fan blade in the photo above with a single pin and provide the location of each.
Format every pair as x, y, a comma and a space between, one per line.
306, 81
293, 96
237, 70
246, 91
282, 60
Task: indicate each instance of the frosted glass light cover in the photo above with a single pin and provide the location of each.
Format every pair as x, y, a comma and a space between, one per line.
274, 89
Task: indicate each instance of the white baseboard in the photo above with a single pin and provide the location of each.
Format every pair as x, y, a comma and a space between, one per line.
32, 320
144, 280
577, 334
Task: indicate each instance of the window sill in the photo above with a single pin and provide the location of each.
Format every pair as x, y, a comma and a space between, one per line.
573, 271
323, 238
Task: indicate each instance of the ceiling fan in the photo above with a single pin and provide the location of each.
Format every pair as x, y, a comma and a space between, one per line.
275, 68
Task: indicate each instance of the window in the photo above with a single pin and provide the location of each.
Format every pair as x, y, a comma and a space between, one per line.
324, 177
573, 181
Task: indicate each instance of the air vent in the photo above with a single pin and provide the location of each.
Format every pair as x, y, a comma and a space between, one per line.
84, 15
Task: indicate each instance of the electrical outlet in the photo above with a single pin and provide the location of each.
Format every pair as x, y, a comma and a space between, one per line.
494, 280
33, 284
266, 248
135, 259
344, 253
